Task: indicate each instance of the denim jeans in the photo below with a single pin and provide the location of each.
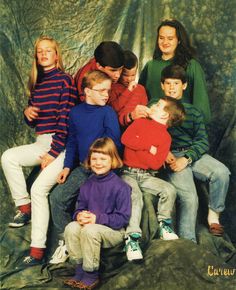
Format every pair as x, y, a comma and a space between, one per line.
143, 182
84, 243
208, 169
63, 198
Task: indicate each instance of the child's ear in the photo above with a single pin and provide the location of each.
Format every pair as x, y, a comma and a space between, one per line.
86, 91
162, 86
185, 86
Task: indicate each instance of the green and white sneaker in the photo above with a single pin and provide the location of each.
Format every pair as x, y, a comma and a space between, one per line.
166, 232
132, 248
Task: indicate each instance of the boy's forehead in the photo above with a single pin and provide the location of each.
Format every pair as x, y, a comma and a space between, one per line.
172, 80
110, 68
130, 71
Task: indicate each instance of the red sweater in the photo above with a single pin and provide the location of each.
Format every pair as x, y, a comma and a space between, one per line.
138, 139
124, 101
90, 66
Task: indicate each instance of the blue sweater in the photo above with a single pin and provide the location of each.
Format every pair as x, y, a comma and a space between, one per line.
108, 197
54, 95
86, 124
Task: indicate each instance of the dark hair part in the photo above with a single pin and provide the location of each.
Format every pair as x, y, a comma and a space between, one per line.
93, 77
176, 111
109, 53
130, 59
184, 50
105, 146
173, 71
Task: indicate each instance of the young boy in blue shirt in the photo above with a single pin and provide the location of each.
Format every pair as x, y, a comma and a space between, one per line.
188, 159
88, 121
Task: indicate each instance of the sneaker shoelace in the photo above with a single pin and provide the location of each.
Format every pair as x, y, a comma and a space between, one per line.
133, 244
167, 228
28, 259
19, 214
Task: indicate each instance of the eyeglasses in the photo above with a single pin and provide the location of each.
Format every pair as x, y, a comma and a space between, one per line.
102, 91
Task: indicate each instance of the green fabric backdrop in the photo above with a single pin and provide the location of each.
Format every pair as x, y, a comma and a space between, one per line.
80, 25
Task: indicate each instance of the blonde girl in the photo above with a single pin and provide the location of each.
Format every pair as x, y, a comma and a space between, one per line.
52, 95
104, 208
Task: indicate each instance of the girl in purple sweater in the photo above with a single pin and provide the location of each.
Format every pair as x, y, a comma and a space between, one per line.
103, 211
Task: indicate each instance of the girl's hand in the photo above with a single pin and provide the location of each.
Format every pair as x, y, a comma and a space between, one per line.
46, 160
63, 175
86, 217
179, 164
31, 113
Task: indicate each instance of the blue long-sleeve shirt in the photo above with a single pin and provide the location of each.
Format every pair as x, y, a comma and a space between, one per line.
108, 197
86, 124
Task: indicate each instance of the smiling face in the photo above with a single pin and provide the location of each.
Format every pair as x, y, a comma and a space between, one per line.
100, 163
46, 54
167, 41
128, 76
173, 88
98, 94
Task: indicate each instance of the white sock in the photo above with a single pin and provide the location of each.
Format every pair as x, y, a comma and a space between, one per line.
213, 217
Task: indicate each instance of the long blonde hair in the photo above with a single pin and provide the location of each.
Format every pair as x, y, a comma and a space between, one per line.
35, 68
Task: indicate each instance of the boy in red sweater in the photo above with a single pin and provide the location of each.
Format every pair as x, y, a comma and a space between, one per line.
128, 98
147, 144
108, 58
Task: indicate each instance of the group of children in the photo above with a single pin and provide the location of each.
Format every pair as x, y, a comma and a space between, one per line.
80, 147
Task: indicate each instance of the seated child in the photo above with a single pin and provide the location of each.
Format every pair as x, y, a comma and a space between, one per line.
104, 207
108, 58
188, 158
147, 144
88, 121
128, 98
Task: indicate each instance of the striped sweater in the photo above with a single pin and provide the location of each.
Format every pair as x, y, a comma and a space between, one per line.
55, 95
191, 134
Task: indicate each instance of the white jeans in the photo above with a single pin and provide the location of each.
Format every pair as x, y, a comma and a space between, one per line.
29, 155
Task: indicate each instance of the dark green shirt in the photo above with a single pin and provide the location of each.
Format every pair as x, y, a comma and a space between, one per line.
191, 134
195, 93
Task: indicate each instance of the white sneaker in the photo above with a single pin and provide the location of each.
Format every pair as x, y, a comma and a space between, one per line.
166, 232
132, 248
60, 255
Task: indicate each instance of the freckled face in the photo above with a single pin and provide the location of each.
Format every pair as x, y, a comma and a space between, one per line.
167, 41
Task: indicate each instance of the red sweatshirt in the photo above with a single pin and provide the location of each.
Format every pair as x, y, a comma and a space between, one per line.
90, 66
123, 101
138, 139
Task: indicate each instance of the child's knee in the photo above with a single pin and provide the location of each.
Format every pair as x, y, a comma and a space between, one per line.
7, 157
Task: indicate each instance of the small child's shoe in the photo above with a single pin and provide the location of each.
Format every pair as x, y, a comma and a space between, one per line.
216, 229
166, 232
89, 281
30, 261
132, 248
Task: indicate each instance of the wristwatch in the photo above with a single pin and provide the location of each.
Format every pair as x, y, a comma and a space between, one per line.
189, 159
